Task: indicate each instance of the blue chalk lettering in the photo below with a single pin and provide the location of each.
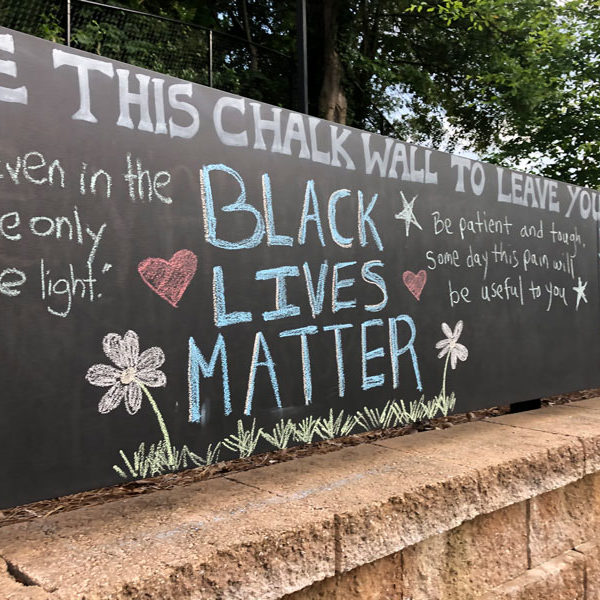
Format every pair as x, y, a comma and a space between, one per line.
222, 317
377, 280
196, 364
272, 238
283, 308
306, 372
338, 284
339, 355
317, 297
338, 238
260, 342
370, 381
240, 205
395, 352
365, 219
310, 197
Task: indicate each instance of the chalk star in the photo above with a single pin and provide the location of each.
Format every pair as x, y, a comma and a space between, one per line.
580, 290
407, 214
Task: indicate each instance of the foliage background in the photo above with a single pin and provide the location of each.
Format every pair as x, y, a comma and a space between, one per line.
515, 82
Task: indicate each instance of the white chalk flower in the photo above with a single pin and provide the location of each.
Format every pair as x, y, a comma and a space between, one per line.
449, 345
134, 372
452, 350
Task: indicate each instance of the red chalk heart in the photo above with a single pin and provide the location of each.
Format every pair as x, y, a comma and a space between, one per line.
415, 282
169, 278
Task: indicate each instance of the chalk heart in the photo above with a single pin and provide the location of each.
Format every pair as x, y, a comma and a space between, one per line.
415, 282
169, 278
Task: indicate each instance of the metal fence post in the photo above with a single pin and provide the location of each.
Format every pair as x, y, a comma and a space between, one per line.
301, 50
210, 58
68, 23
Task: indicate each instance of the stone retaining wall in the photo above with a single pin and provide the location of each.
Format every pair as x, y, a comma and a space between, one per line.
507, 508
503, 555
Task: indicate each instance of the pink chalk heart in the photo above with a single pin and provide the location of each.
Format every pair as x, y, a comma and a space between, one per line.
415, 282
169, 278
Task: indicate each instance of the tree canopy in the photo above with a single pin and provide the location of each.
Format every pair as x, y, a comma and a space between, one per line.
515, 81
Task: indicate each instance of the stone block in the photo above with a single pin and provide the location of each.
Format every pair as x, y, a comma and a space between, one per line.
215, 535
381, 500
512, 464
575, 420
591, 552
380, 580
478, 555
564, 518
424, 569
11, 589
562, 578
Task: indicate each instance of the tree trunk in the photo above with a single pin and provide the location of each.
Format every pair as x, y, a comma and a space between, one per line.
362, 102
333, 104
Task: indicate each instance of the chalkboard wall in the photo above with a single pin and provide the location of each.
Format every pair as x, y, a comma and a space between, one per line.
189, 276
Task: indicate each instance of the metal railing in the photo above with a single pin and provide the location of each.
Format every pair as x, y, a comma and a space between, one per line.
179, 48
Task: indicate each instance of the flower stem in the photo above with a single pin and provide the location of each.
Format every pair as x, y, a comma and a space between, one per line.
161, 422
444, 377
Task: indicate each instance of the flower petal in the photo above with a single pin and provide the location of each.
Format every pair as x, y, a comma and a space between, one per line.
453, 359
461, 352
102, 375
457, 330
133, 398
151, 359
446, 329
113, 348
152, 378
443, 343
444, 352
131, 348
112, 398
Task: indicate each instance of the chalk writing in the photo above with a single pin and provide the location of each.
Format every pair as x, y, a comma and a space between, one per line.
295, 272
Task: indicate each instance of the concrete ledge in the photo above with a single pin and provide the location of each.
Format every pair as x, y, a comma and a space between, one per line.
579, 419
278, 529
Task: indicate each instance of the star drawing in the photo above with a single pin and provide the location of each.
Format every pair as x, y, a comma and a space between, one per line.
579, 289
407, 213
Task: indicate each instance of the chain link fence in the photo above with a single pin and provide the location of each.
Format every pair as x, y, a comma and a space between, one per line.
169, 46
